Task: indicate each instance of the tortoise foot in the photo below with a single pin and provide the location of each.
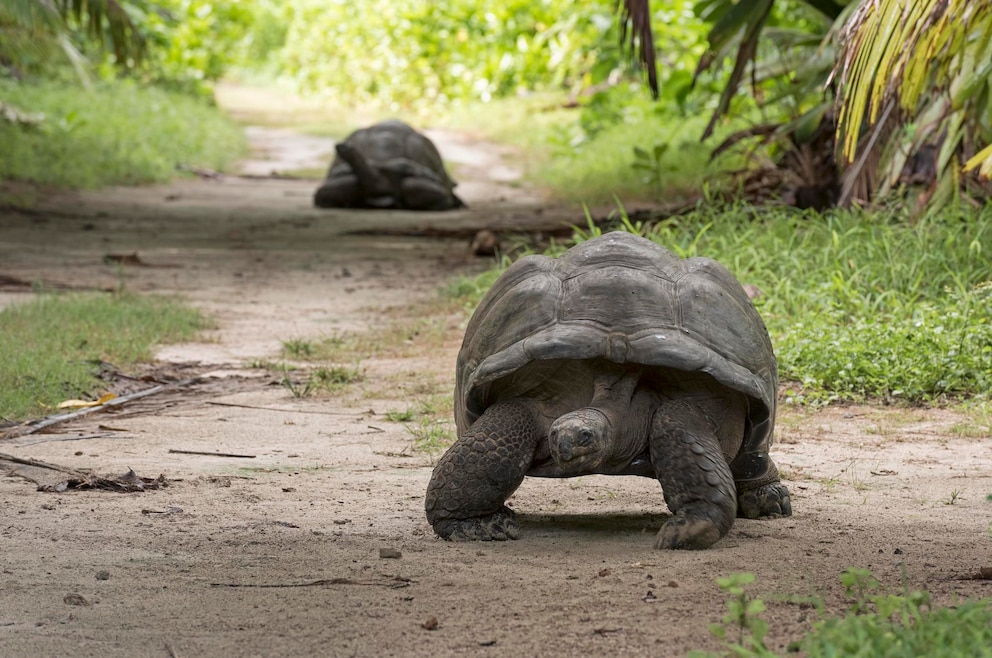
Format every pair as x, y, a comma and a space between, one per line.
498, 526
688, 531
768, 500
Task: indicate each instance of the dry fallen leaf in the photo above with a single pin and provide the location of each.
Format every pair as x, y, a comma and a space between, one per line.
82, 404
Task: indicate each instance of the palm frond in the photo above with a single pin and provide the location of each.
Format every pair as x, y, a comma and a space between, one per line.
928, 63
740, 25
635, 22
30, 28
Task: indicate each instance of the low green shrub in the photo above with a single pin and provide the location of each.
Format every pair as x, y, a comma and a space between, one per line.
877, 625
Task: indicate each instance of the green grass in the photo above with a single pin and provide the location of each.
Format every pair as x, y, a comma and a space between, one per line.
322, 378
431, 436
859, 306
51, 347
118, 133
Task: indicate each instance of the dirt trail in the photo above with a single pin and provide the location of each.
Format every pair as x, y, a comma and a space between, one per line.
287, 553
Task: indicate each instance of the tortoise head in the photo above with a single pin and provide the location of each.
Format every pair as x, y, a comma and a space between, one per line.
580, 441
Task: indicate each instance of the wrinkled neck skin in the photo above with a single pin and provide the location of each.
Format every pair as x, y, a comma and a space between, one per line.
606, 435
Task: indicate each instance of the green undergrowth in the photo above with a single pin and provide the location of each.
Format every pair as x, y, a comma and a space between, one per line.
859, 306
52, 347
116, 133
620, 144
877, 625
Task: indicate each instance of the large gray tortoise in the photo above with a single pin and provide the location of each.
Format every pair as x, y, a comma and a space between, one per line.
387, 165
617, 358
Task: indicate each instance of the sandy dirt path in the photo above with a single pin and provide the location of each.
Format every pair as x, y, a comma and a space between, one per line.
317, 544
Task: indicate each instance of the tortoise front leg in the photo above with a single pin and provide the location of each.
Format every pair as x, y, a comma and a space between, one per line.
694, 476
339, 191
480, 471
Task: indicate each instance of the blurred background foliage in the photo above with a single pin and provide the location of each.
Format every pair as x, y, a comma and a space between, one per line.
776, 80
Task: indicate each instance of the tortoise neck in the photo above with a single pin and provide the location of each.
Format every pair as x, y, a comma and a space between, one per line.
613, 389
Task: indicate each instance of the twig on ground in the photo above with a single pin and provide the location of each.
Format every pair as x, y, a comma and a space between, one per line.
291, 411
210, 454
394, 583
49, 439
40, 464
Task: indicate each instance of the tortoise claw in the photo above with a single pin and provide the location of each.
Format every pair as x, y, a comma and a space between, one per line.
684, 532
768, 500
499, 526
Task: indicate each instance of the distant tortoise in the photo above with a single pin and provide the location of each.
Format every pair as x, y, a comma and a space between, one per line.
387, 165
617, 358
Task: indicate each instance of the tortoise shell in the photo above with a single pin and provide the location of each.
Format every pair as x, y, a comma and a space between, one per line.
626, 299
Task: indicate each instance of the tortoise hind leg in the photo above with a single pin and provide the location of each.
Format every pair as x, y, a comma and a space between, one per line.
425, 194
694, 476
759, 490
480, 471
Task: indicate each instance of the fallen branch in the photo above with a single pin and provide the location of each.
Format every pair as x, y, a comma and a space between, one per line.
210, 454
29, 428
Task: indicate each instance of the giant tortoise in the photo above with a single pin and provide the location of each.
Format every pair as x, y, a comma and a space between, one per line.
387, 165
617, 358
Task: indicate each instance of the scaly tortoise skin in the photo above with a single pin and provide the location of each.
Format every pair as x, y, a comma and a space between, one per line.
616, 358
387, 165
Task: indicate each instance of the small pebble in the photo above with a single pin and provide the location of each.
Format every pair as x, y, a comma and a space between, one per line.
390, 554
103, 575
75, 599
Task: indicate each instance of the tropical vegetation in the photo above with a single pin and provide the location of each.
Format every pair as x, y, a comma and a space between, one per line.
832, 102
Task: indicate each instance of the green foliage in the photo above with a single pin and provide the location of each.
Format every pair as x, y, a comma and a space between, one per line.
193, 42
878, 625
117, 133
861, 306
858, 306
421, 52
924, 351
896, 625
408, 52
52, 346
917, 75
36, 34
742, 629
